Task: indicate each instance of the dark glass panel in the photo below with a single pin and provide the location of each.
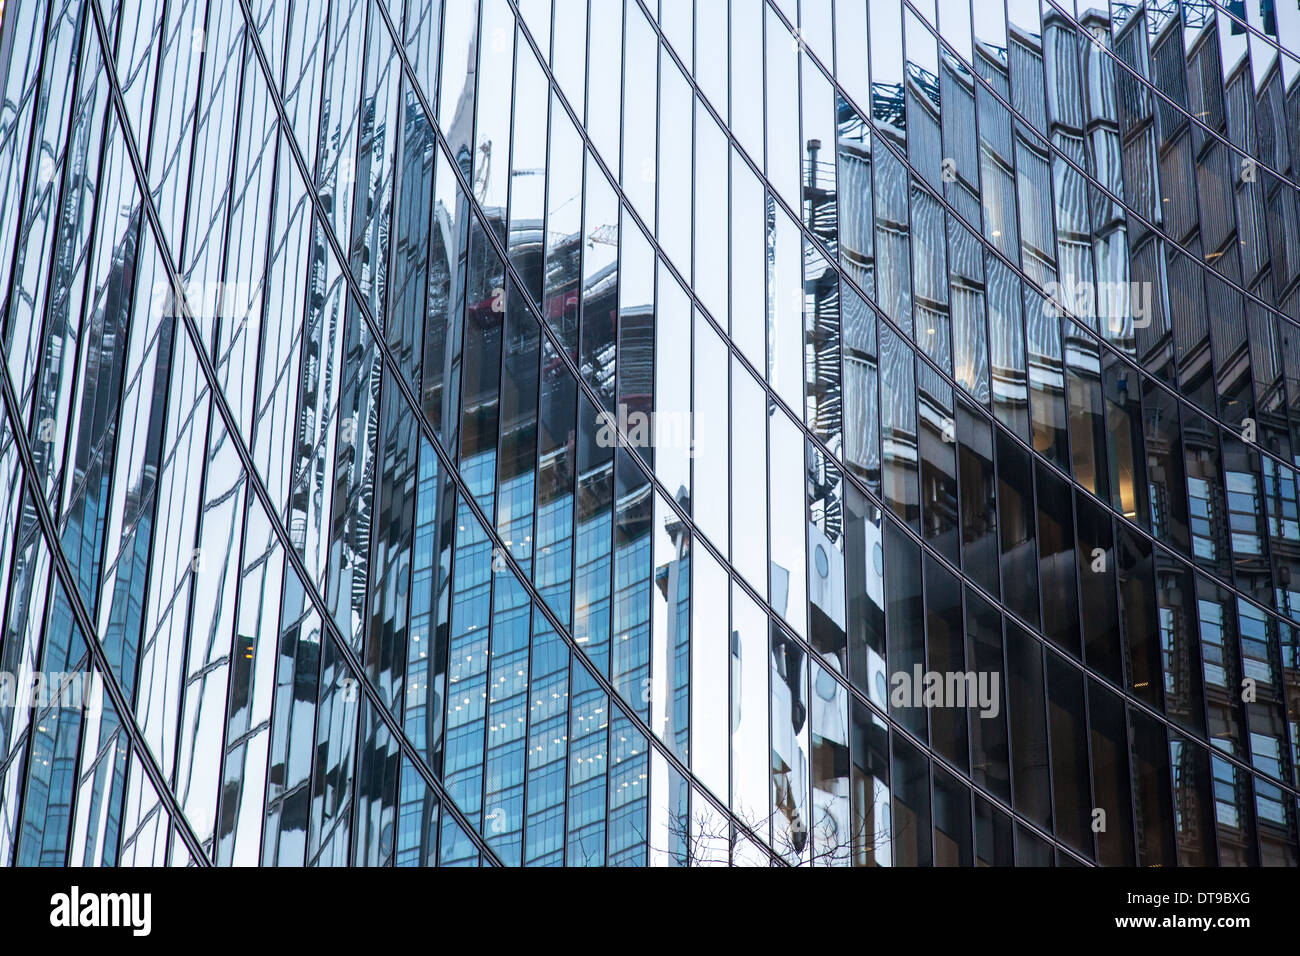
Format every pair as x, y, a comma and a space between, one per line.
1128, 481
1180, 649
556, 434
1246, 523
1234, 813
864, 572
1110, 777
517, 457
1087, 420
1208, 521
904, 613
938, 464
481, 362
1193, 804
1165, 469
1056, 559
444, 305
911, 807
952, 821
869, 786
1152, 807
979, 515
1137, 606
1016, 529
1047, 397
1216, 611
1029, 762
898, 429
993, 846
1031, 849
946, 656
1102, 648
988, 725
1069, 729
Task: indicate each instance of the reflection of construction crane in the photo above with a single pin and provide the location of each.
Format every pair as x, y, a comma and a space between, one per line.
484, 170
527, 172
606, 235
1195, 13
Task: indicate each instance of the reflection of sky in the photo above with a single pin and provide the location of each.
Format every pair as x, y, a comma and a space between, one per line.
1022, 14
886, 32
1288, 35
954, 24
922, 47
1262, 52
990, 25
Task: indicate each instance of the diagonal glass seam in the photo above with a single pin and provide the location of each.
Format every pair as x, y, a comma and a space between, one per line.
33, 91
72, 593
562, 352
921, 355
55, 472
145, 502
46, 711
489, 528
773, 397
264, 499
233, 74
399, 378
57, 193
6, 294
471, 502
1057, 151
1275, 43
923, 183
1197, 261
833, 263
808, 435
670, 501
1082, 33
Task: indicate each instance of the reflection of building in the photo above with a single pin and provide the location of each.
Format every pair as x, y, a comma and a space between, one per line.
375, 592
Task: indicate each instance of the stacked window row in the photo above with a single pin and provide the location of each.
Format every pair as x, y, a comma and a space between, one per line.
461, 341
1092, 428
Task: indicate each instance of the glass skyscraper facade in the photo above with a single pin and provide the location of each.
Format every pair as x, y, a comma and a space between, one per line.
559, 432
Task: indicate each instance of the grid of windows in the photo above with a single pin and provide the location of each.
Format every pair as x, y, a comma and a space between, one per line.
572, 432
